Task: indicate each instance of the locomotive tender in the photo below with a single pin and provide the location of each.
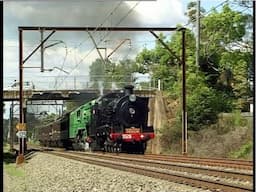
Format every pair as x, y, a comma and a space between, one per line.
114, 122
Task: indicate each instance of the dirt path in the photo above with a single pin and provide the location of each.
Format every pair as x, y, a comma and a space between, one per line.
7, 182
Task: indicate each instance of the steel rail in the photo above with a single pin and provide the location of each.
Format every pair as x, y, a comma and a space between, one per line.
235, 163
179, 167
219, 162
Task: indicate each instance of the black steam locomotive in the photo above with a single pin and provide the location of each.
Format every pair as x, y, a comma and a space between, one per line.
114, 122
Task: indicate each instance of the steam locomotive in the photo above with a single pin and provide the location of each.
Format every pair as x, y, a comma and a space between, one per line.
114, 122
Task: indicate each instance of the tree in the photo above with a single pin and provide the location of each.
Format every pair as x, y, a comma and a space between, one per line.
192, 10
97, 72
32, 123
118, 74
203, 102
5, 129
244, 3
164, 65
123, 72
223, 60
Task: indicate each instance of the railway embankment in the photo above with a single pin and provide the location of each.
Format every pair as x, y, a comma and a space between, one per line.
157, 118
230, 137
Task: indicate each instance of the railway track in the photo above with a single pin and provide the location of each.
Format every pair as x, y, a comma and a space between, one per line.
212, 179
215, 162
221, 162
182, 167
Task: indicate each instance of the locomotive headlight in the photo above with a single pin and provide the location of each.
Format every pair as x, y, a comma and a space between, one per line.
132, 98
132, 111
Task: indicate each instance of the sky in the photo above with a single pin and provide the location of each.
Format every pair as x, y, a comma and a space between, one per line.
76, 51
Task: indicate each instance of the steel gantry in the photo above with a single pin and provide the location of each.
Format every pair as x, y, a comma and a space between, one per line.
22, 124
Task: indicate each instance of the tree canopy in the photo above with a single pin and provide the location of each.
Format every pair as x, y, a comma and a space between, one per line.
221, 81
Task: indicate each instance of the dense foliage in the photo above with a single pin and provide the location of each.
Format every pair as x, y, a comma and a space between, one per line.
221, 81
111, 75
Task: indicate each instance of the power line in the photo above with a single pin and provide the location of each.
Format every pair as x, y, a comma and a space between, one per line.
118, 23
80, 44
212, 9
100, 25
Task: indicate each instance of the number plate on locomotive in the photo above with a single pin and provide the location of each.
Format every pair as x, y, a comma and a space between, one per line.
132, 130
126, 136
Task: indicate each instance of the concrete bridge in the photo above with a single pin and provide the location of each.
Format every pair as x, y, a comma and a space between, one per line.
65, 94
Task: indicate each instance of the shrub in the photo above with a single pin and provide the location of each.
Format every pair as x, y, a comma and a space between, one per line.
244, 151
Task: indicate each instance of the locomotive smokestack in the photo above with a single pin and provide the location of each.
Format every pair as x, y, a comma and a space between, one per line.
128, 89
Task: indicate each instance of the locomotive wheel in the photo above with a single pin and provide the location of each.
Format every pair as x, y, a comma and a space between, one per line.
93, 146
119, 149
106, 148
109, 148
143, 147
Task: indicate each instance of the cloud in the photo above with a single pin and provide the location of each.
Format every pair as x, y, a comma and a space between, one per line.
66, 13
164, 13
72, 60
160, 13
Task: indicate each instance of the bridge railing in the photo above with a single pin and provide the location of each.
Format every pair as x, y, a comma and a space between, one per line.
84, 82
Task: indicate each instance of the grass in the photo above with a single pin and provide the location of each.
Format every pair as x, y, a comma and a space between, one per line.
230, 137
6, 147
9, 163
8, 156
12, 170
243, 152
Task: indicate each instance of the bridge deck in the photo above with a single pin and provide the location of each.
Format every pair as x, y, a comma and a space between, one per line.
65, 94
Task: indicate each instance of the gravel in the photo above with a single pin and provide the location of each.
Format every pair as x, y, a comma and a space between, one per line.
48, 173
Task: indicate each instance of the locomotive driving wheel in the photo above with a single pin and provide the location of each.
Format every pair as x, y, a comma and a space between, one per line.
143, 147
119, 148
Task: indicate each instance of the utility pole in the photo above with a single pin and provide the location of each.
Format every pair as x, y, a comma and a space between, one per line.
184, 103
11, 126
42, 51
21, 126
198, 32
253, 64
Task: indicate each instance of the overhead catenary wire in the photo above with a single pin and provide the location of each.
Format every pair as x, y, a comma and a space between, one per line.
212, 9
106, 19
118, 23
100, 25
